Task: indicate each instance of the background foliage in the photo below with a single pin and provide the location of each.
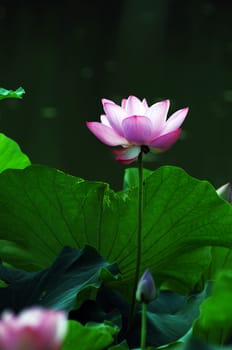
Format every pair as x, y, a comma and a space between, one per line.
68, 55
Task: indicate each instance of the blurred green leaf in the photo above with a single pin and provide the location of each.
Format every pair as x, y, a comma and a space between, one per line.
3, 284
89, 337
214, 324
4, 93
75, 276
43, 209
130, 179
11, 156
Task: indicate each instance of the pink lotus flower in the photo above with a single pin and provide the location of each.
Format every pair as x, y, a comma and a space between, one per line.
137, 127
33, 329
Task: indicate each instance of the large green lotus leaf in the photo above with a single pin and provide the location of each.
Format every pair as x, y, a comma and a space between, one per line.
43, 209
90, 336
214, 324
185, 263
75, 276
4, 93
11, 156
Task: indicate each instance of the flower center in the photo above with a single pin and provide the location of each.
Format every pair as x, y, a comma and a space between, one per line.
145, 149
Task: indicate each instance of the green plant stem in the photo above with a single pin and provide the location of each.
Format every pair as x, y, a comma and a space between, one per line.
144, 326
139, 238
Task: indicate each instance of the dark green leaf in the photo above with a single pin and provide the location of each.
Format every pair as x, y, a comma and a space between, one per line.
169, 318
171, 346
194, 344
121, 346
74, 277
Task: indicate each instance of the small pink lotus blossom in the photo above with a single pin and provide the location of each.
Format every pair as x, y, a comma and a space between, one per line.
33, 329
137, 127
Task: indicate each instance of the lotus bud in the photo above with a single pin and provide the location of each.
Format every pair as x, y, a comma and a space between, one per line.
146, 290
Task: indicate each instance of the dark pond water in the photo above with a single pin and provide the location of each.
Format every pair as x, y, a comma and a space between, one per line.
69, 54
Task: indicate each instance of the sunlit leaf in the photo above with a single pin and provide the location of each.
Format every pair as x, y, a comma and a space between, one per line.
214, 324
89, 337
11, 156
4, 93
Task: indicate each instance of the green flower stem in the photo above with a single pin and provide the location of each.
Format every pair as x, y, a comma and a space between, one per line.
144, 326
139, 238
